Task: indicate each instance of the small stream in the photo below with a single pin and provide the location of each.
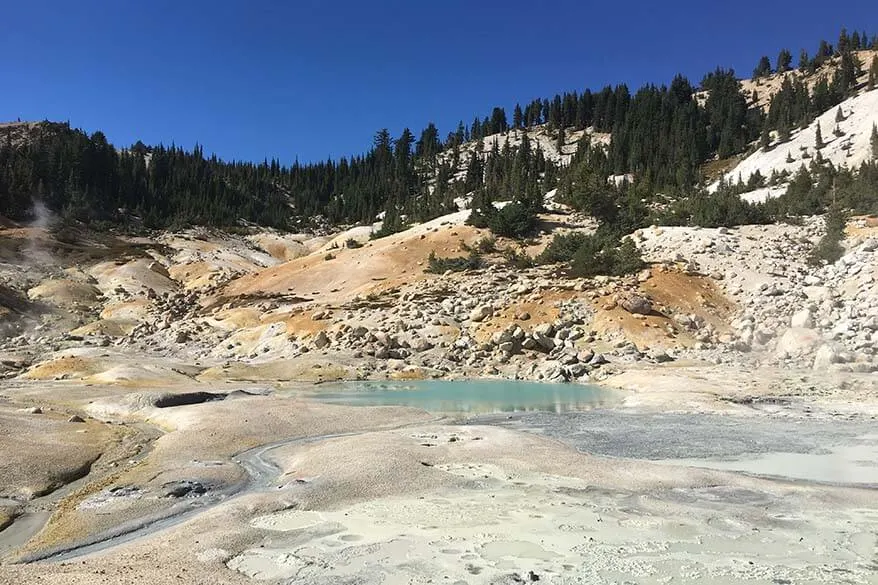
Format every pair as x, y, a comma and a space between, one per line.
262, 475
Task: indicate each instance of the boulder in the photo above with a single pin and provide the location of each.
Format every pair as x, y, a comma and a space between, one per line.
543, 341
321, 340
481, 313
825, 357
159, 269
183, 488
420, 344
507, 347
545, 329
585, 355
637, 304
797, 341
529, 343
802, 319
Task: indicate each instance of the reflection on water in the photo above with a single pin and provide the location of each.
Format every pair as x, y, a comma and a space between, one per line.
470, 396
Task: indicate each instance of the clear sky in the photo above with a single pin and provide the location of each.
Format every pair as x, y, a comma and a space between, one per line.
313, 79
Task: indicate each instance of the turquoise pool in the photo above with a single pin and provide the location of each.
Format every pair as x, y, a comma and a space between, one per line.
469, 396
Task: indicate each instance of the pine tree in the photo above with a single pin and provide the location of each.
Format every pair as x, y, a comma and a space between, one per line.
764, 138
844, 42
873, 73
839, 115
874, 142
763, 69
818, 138
804, 61
784, 60
829, 249
855, 41
517, 117
783, 133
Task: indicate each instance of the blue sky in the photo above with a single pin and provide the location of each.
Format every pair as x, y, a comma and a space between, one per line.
309, 79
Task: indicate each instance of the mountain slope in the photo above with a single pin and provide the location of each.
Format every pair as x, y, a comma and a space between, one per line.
850, 148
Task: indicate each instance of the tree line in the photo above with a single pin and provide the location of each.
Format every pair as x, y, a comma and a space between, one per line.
662, 135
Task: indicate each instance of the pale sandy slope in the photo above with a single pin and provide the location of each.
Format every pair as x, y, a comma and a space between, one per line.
851, 149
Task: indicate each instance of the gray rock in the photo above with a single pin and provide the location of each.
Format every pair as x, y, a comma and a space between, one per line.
481, 313
507, 347
797, 341
637, 304
802, 319
825, 356
183, 488
543, 341
321, 340
545, 329
420, 344
529, 343
585, 356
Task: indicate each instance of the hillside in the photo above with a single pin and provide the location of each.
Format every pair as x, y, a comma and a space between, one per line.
846, 142
662, 137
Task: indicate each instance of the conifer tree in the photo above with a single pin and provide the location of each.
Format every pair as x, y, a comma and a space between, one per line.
804, 61
855, 41
763, 68
517, 117
874, 142
839, 115
873, 73
844, 42
818, 138
764, 138
784, 60
783, 133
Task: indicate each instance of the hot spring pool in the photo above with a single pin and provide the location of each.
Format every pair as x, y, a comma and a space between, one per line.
469, 396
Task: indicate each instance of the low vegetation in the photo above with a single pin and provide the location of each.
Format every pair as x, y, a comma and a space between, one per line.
829, 248
437, 265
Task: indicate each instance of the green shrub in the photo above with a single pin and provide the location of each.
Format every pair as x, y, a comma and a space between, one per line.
487, 245
829, 249
601, 256
515, 220
518, 259
436, 265
352, 243
562, 248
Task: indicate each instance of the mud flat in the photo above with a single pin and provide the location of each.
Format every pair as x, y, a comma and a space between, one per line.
299, 491
478, 504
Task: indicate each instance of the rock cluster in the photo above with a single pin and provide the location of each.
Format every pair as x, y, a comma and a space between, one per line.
791, 314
